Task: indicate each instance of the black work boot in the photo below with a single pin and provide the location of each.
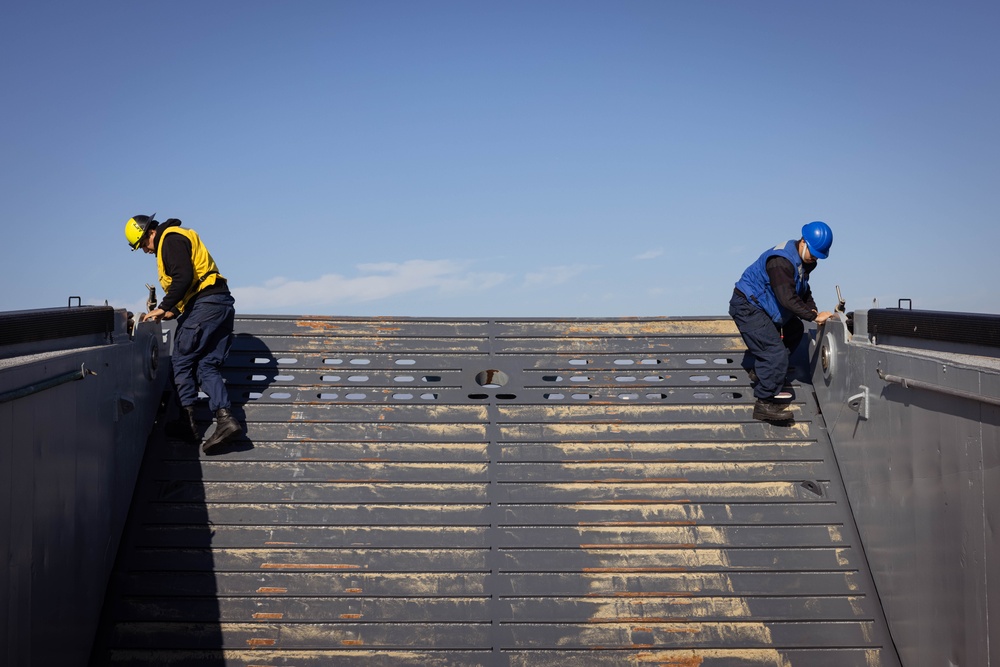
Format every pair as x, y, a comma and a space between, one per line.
226, 428
184, 427
768, 410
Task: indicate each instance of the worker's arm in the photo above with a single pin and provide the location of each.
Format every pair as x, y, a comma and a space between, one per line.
175, 251
820, 317
781, 273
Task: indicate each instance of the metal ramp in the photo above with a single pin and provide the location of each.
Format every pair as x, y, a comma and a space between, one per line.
495, 492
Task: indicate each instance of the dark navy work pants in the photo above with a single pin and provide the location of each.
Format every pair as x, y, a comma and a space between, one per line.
768, 342
201, 343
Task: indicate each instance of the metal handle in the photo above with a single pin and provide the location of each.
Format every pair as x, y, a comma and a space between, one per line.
907, 383
46, 384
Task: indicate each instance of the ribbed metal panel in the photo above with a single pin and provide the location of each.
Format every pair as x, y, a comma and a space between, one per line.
496, 492
31, 326
964, 328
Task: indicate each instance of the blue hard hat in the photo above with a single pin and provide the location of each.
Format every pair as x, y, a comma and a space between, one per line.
818, 237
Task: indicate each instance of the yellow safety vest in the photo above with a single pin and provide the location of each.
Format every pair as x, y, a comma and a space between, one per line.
206, 273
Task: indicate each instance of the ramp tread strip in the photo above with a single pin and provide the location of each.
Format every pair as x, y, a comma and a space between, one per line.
492, 525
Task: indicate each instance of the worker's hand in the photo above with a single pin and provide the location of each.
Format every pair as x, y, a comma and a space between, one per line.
823, 317
156, 315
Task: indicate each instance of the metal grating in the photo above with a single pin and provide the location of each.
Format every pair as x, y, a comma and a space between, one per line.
495, 492
32, 326
965, 328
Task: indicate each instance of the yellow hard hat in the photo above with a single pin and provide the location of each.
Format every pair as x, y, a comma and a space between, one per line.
136, 228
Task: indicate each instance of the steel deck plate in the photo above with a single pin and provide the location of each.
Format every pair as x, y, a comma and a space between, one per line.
495, 492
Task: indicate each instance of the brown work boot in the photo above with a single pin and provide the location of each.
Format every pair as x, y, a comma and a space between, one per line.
184, 427
226, 429
766, 409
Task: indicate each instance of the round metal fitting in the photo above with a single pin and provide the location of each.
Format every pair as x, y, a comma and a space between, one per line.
828, 356
152, 358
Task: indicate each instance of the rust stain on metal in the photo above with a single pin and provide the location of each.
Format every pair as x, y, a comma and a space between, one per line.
351, 617
318, 325
309, 566
760, 657
261, 642
645, 480
642, 619
353, 590
624, 327
352, 642
662, 661
271, 589
643, 594
276, 616
696, 658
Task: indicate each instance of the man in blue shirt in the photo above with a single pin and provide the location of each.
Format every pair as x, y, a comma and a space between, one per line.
769, 303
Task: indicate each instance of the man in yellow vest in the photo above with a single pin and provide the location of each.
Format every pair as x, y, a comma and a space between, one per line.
198, 296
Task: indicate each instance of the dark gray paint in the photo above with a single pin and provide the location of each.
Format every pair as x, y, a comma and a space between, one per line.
388, 509
69, 458
921, 471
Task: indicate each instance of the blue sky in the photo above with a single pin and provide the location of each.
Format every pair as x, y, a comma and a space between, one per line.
479, 158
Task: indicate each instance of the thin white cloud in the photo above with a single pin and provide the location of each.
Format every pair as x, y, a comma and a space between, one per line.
555, 275
377, 281
650, 254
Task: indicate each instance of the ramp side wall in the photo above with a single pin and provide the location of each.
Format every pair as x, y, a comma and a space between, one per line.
922, 473
69, 458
